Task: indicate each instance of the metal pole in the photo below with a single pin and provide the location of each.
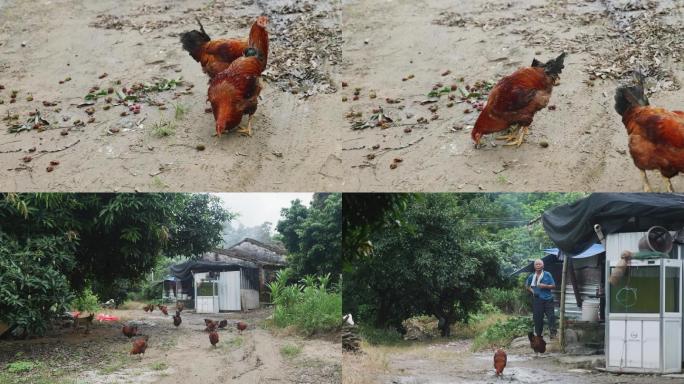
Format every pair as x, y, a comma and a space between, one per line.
561, 326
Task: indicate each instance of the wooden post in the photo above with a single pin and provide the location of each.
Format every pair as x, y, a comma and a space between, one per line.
561, 324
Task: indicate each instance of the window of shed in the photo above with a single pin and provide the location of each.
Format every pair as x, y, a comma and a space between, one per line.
671, 289
637, 292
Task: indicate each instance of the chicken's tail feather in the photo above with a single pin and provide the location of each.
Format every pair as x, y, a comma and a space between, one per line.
194, 40
629, 96
258, 40
555, 66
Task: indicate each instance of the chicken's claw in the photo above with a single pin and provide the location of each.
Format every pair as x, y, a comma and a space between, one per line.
247, 131
520, 139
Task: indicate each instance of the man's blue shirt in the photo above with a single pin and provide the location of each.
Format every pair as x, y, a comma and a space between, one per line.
544, 294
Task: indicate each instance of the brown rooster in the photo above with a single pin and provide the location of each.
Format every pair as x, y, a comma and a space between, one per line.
234, 92
129, 330
140, 345
537, 343
241, 326
215, 56
213, 338
222, 324
656, 135
500, 359
177, 319
516, 98
164, 309
211, 325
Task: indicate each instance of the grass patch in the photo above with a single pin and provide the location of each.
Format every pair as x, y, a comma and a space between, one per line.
376, 336
21, 366
290, 350
132, 304
235, 342
502, 332
310, 306
158, 183
115, 363
160, 366
163, 128
180, 111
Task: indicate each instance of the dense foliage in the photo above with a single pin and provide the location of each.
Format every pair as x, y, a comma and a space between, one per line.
442, 254
313, 236
311, 305
55, 245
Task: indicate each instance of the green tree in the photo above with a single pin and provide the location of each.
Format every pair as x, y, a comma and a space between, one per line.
110, 238
313, 237
436, 254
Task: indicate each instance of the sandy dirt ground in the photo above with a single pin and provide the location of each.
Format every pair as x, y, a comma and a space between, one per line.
453, 362
398, 50
181, 355
55, 51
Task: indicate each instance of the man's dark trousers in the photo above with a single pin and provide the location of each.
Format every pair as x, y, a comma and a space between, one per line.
539, 309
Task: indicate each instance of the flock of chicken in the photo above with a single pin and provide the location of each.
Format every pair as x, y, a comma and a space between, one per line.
656, 135
140, 343
501, 359
234, 67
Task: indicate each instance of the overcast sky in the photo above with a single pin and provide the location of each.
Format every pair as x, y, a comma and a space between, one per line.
255, 208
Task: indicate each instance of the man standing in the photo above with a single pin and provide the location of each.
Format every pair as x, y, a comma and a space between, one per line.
540, 284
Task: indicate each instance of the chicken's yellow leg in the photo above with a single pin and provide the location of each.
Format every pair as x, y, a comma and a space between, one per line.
247, 131
511, 136
521, 137
644, 178
668, 184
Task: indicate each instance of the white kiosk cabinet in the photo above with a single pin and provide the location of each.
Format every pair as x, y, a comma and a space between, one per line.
644, 317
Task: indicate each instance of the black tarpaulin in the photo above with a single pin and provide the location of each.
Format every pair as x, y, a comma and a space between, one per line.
571, 226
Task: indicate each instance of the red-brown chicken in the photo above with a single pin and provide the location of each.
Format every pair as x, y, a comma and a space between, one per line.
234, 92
656, 135
500, 360
177, 319
211, 325
516, 98
215, 56
213, 338
164, 309
241, 326
129, 330
537, 343
140, 345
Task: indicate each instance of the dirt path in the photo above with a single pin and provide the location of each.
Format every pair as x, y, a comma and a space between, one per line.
54, 52
445, 363
175, 355
253, 356
483, 41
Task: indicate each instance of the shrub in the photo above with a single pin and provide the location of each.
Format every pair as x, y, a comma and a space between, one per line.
87, 301
511, 301
310, 306
502, 333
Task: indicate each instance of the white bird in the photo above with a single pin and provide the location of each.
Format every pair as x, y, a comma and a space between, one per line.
348, 319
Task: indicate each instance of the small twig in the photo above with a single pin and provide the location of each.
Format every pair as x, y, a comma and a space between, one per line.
354, 148
386, 149
12, 151
60, 149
